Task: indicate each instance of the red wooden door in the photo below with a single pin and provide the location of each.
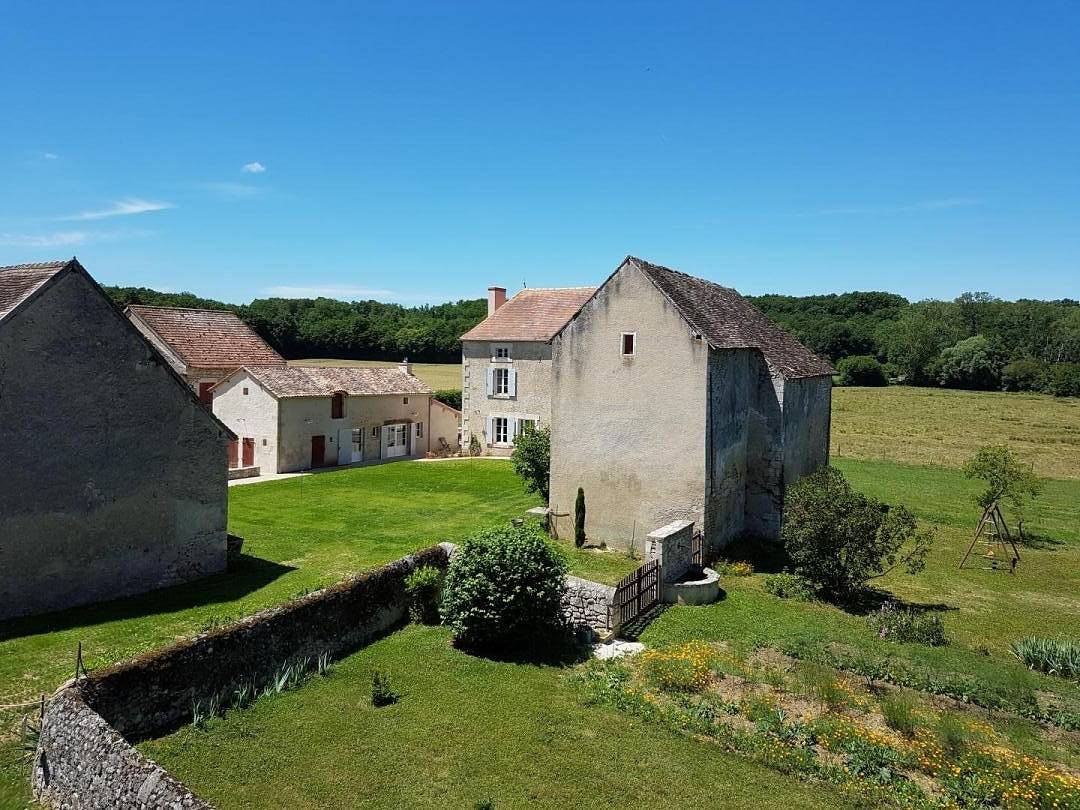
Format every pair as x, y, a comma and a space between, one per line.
318, 450
249, 452
204, 392
233, 455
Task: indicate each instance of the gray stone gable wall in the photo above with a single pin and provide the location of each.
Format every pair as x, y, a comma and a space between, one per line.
114, 476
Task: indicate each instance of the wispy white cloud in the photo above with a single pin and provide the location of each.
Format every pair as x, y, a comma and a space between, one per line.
357, 294
907, 208
235, 191
49, 156
253, 168
43, 240
121, 208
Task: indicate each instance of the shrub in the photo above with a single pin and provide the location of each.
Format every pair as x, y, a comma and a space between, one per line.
532, 460
382, 693
899, 710
974, 362
686, 668
839, 539
861, 370
790, 586
449, 396
1024, 375
579, 518
1006, 477
738, 568
1065, 380
474, 446
423, 586
1054, 656
904, 625
503, 586
820, 682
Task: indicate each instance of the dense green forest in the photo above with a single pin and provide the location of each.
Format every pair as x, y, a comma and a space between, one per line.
976, 341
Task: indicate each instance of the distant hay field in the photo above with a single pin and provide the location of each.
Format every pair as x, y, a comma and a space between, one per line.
944, 427
439, 376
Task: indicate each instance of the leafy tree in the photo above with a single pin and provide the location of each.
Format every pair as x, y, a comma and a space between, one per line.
532, 460
1065, 380
840, 539
914, 341
973, 363
503, 588
579, 518
1006, 477
1024, 374
861, 370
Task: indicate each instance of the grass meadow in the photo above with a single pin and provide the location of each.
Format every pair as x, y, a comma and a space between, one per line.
470, 728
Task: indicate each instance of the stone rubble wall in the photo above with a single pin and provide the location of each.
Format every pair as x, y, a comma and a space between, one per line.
83, 762
585, 603
84, 759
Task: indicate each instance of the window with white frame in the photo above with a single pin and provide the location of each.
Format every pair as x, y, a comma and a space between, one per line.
419, 430
501, 352
500, 430
629, 344
501, 384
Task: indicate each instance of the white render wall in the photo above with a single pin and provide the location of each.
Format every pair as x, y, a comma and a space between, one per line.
531, 361
252, 415
630, 431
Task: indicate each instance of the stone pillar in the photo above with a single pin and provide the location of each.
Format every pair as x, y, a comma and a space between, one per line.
671, 545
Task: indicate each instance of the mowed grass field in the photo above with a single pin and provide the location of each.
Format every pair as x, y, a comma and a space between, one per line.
440, 376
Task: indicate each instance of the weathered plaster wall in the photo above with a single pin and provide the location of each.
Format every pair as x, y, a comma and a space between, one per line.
807, 414
531, 361
114, 477
629, 430
726, 446
82, 762
444, 425
252, 415
764, 451
295, 432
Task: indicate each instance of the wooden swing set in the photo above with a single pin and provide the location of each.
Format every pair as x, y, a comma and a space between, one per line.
994, 533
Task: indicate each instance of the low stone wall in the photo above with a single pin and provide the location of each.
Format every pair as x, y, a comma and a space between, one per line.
83, 762
83, 758
585, 603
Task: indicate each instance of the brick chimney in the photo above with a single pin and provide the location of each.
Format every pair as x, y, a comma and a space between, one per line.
496, 298
405, 366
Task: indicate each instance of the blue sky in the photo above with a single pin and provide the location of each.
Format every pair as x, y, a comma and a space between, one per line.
421, 151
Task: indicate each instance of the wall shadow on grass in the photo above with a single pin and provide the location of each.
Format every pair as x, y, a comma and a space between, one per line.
245, 575
558, 650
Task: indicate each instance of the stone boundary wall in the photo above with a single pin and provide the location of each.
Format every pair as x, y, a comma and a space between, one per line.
585, 603
83, 757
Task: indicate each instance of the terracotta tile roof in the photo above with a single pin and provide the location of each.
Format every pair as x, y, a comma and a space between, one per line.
532, 314
207, 338
308, 381
728, 321
19, 281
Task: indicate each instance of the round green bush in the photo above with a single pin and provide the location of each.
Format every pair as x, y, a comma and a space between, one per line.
861, 370
503, 587
422, 586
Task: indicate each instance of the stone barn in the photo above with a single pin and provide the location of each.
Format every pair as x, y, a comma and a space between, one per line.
673, 398
114, 476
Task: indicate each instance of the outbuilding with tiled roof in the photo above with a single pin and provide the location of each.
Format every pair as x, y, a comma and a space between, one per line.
203, 345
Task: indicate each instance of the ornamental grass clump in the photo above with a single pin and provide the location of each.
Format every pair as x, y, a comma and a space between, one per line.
903, 625
1054, 656
504, 589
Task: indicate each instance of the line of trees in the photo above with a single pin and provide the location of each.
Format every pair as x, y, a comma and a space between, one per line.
975, 341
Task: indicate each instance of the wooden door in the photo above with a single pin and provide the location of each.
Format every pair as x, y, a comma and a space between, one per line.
318, 451
205, 395
233, 455
249, 453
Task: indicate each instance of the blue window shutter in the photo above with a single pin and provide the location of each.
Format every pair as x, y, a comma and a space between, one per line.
490, 381
512, 383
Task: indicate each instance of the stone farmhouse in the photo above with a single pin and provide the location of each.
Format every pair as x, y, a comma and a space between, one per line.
506, 364
114, 475
673, 398
291, 418
203, 345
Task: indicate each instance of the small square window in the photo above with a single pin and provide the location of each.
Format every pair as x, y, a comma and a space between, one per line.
629, 343
245, 391
500, 352
404, 400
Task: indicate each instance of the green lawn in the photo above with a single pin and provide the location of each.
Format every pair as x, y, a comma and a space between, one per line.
466, 729
299, 534
439, 376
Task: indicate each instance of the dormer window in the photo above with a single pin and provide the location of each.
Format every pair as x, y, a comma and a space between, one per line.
629, 344
500, 353
337, 406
